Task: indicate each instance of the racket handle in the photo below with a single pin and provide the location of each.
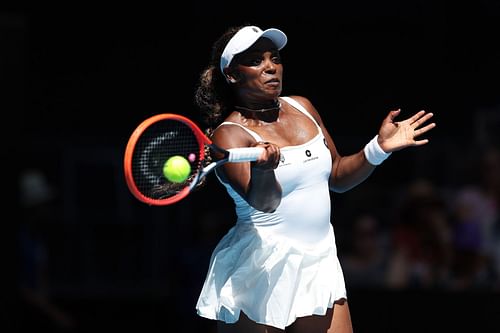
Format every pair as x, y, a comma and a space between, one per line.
247, 154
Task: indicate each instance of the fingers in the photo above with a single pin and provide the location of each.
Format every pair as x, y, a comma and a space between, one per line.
419, 118
270, 158
424, 129
420, 142
416, 116
416, 121
274, 155
400, 134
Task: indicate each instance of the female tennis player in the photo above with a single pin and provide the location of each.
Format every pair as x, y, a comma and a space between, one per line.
276, 269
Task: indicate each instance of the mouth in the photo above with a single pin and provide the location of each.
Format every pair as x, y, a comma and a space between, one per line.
272, 82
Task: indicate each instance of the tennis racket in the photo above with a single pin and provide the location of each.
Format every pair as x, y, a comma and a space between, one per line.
162, 136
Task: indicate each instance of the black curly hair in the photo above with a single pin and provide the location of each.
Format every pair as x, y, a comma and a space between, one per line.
213, 95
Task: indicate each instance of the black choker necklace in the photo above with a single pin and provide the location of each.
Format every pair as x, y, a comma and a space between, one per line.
276, 107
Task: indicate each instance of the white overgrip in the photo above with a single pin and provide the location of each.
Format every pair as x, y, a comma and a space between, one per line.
247, 154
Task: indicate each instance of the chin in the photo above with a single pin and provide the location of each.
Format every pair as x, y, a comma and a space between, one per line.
273, 93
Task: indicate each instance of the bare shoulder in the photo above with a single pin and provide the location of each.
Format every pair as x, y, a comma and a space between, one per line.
231, 136
304, 101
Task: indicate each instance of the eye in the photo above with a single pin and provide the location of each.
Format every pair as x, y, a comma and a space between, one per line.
250, 60
276, 58
255, 61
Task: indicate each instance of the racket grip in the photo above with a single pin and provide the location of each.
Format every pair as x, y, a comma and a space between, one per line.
247, 154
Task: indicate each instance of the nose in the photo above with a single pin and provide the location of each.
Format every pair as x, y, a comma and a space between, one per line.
270, 66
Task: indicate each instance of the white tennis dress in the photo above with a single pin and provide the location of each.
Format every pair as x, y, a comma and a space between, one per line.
278, 266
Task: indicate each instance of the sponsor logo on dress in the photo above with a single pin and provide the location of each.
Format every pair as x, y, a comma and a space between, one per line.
282, 161
310, 156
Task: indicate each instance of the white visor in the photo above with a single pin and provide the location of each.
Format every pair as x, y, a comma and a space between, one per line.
245, 38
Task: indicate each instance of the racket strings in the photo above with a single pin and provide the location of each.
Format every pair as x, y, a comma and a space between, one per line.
206, 161
157, 144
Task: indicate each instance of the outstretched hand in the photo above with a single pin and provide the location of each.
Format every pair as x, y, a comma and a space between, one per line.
395, 135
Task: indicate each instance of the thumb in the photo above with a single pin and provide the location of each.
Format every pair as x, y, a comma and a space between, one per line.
393, 114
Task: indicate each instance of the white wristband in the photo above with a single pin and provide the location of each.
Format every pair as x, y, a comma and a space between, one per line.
374, 154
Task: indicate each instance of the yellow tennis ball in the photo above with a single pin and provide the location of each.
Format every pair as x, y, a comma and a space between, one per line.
176, 169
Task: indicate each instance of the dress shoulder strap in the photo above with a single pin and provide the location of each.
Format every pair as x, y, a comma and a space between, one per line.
252, 133
299, 107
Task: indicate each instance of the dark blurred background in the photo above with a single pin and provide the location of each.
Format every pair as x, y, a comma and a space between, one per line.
419, 241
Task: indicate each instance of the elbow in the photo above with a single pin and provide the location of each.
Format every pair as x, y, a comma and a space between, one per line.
266, 203
335, 187
268, 206
338, 189
265, 198
267, 209
271, 208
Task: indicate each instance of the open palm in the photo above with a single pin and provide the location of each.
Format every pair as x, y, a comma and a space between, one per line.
396, 135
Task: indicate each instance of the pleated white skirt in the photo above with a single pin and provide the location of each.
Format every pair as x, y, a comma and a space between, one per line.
272, 279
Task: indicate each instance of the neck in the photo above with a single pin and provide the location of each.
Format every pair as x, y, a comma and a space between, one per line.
275, 107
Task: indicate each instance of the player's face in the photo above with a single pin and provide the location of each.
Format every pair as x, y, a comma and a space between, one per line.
259, 71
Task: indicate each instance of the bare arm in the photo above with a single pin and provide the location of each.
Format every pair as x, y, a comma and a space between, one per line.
256, 181
349, 171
